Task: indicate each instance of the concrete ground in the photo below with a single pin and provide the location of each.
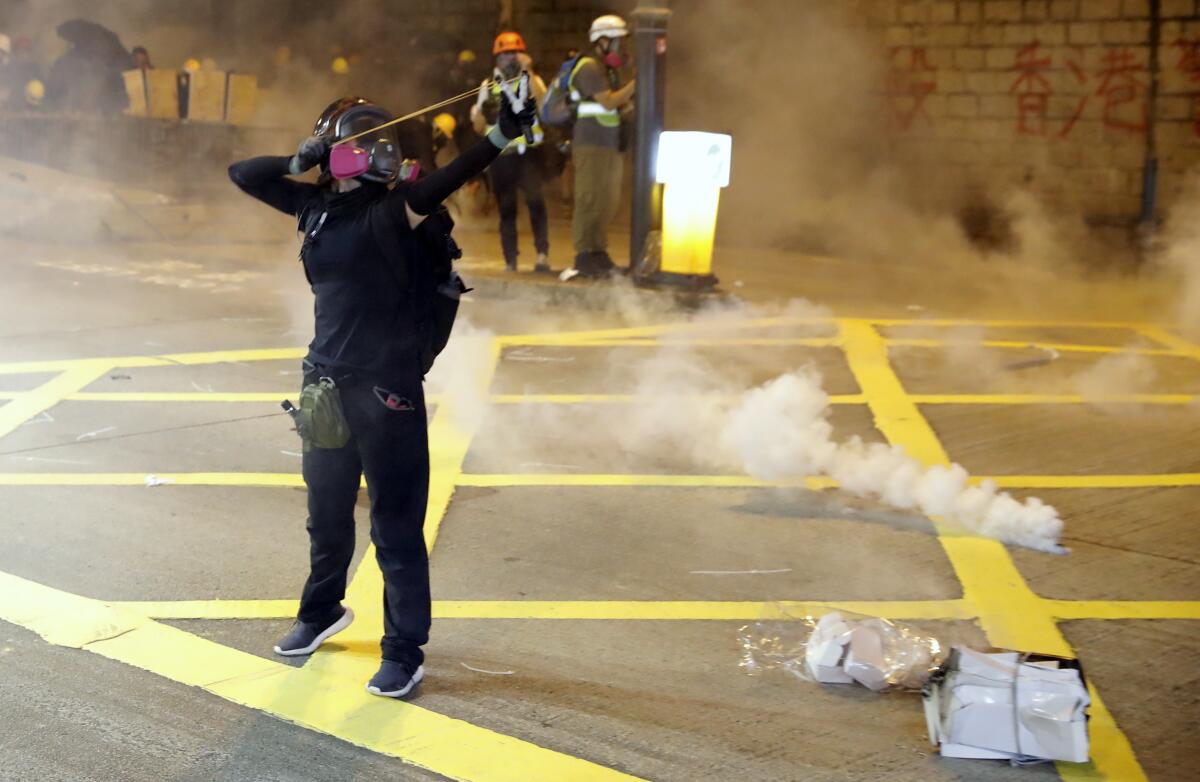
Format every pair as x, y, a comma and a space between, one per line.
589, 587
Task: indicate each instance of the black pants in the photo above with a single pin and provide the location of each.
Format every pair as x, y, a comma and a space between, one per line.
509, 172
389, 444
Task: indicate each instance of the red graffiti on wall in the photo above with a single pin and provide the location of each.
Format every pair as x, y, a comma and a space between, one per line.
1189, 65
1123, 92
1032, 90
910, 81
1117, 84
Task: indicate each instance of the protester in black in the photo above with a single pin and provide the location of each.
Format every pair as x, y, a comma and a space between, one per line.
367, 340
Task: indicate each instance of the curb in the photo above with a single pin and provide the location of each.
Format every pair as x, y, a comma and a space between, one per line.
584, 294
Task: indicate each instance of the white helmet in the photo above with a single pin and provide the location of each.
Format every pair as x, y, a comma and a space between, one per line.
608, 26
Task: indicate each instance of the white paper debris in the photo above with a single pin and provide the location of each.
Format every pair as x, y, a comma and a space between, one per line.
481, 670
154, 480
996, 706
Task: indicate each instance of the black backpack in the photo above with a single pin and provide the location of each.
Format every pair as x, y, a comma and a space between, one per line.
428, 285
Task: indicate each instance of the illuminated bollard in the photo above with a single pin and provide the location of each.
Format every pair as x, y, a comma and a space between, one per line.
693, 167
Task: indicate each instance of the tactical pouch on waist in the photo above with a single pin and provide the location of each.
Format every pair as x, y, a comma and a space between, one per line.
320, 420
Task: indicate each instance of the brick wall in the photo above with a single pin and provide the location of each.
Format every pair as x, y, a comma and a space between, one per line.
1054, 94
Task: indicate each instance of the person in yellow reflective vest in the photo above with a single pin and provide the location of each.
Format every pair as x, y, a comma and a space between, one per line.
520, 165
596, 146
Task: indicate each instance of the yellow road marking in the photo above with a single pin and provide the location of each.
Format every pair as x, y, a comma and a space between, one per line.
1027, 345
1124, 609
678, 609
142, 362
1096, 481
274, 397
1051, 399
694, 610
1011, 614
587, 399
996, 323
1172, 341
449, 440
315, 696
125, 633
702, 342
569, 479
211, 609
716, 610
281, 479
48, 394
595, 335
814, 483
277, 396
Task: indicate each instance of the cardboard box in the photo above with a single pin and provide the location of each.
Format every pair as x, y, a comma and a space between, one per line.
1008, 705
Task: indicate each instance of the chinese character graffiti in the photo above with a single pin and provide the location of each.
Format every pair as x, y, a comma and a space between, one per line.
1189, 66
910, 81
1118, 87
1032, 90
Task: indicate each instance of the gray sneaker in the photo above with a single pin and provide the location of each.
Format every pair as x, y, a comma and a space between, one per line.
394, 680
305, 637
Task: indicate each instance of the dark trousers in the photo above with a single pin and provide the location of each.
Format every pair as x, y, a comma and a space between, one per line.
390, 445
509, 172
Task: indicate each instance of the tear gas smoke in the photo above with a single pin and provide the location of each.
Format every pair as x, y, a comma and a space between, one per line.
689, 407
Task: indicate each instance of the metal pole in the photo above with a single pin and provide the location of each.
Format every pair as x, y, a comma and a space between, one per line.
650, 50
1147, 217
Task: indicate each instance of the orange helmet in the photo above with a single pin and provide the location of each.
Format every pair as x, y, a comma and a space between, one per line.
508, 42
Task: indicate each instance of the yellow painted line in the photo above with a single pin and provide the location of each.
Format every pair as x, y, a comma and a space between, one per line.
313, 697
226, 356
950, 322
1051, 399
1113, 757
678, 327
815, 483
576, 609
166, 360
212, 609
139, 479
597, 399
48, 394
277, 396
650, 610
666, 481
677, 609
637, 342
1124, 609
182, 396
1172, 341
587, 399
1096, 481
449, 440
1011, 614
1031, 345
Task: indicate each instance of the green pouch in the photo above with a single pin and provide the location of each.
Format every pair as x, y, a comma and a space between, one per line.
320, 420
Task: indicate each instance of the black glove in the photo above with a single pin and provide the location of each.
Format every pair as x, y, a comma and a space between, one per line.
513, 124
312, 151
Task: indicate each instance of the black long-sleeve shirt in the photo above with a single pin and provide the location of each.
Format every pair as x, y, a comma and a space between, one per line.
361, 318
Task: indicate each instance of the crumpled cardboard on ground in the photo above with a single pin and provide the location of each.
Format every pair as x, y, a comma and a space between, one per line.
1008, 706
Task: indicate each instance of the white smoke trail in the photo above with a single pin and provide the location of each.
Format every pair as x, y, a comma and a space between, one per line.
781, 430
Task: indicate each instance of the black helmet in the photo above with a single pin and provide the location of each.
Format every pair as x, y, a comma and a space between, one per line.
352, 115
